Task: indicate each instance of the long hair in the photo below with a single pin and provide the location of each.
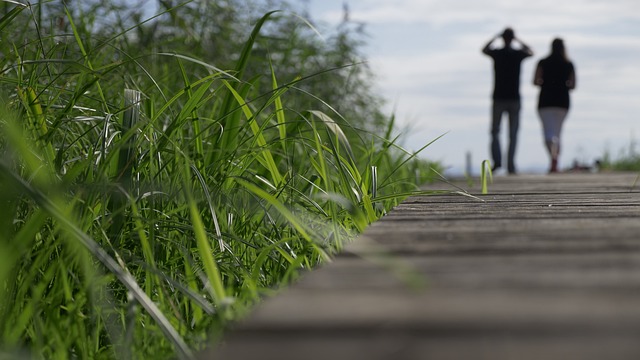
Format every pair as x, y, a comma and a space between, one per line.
558, 52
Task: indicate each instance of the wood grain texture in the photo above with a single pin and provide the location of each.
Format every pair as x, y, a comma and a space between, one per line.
543, 267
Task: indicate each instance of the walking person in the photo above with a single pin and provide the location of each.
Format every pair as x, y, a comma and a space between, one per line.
506, 93
555, 75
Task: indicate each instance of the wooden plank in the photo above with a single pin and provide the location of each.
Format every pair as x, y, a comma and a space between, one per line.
543, 267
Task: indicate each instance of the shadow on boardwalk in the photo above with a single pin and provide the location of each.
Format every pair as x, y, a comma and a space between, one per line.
543, 267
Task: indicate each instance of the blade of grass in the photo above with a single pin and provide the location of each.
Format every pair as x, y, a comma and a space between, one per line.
485, 176
279, 206
206, 254
335, 128
37, 121
267, 157
279, 110
9, 16
64, 220
214, 217
231, 120
199, 150
411, 156
84, 52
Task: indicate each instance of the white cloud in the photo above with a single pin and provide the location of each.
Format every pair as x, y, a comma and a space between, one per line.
524, 12
428, 60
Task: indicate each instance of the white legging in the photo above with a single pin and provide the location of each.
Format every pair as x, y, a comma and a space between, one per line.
552, 119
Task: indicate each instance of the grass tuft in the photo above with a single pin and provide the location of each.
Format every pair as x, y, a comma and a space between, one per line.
151, 196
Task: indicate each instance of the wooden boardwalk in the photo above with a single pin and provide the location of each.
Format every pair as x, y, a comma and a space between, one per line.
544, 267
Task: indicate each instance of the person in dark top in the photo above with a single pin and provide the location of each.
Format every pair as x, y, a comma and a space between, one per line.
555, 75
506, 93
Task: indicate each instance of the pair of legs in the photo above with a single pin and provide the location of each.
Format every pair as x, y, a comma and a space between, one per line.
552, 119
512, 108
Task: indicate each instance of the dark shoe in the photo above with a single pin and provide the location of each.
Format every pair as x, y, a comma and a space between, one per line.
495, 167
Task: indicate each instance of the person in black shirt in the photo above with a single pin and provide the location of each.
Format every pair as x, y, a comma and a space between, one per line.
555, 75
506, 93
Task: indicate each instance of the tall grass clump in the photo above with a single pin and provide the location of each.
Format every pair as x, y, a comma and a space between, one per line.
628, 159
150, 195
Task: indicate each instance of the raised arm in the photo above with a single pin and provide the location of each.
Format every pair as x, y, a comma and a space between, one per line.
525, 47
487, 48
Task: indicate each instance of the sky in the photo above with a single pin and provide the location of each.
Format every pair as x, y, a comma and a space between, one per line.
426, 55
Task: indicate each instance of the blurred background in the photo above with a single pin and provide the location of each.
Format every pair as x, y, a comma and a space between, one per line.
426, 57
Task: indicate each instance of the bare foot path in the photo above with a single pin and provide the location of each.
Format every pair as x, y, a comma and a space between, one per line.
543, 267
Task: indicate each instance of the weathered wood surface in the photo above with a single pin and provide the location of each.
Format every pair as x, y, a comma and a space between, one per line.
544, 267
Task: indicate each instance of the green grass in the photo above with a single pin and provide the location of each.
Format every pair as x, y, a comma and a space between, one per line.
486, 176
148, 199
627, 160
